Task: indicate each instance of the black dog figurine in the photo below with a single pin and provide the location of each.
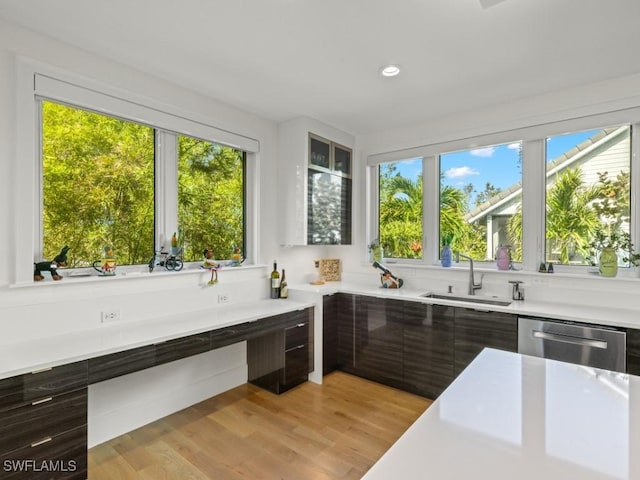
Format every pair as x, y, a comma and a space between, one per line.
59, 261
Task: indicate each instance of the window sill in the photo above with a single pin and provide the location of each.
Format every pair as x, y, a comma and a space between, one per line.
624, 273
85, 276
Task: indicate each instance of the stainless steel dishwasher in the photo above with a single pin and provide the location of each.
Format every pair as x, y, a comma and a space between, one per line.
600, 347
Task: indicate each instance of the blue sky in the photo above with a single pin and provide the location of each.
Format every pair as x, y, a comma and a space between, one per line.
497, 164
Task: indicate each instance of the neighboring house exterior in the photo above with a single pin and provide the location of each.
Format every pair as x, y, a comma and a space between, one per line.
606, 151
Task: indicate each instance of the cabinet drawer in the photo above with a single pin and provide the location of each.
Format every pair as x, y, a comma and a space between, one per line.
63, 457
296, 364
23, 389
182, 347
296, 335
227, 335
116, 364
46, 417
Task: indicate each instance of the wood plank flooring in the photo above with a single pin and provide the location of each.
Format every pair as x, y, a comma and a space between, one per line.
336, 430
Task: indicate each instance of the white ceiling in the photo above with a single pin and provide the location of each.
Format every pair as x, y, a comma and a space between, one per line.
285, 58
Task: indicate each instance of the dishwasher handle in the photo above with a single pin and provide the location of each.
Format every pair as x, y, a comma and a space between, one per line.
558, 337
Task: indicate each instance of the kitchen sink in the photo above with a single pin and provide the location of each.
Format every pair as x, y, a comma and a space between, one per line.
469, 298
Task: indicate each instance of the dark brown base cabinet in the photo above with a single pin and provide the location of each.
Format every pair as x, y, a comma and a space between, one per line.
378, 340
428, 348
43, 415
329, 333
43, 424
633, 351
281, 359
413, 346
407, 345
475, 330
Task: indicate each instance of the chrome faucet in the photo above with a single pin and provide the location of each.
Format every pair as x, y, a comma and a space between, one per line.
473, 286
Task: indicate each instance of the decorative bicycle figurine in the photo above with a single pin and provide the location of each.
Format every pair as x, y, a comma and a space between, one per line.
169, 261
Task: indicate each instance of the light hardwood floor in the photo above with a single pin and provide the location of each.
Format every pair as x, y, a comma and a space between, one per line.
336, 430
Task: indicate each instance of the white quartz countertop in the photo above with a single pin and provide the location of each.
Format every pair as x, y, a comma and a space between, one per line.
511, 416
605, 315
25, 357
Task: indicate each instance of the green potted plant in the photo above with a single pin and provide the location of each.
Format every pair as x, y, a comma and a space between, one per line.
607, 244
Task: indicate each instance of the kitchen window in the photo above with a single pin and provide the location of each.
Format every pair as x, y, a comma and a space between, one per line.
480, 200
528, 188
587, 189
400, 208
211, 198
97, 186
114, 171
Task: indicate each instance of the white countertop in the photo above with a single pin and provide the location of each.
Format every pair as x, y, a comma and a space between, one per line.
25, 357
605, 315
510, 416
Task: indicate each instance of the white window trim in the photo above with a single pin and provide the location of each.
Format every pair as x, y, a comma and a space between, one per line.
533, 191
35, 80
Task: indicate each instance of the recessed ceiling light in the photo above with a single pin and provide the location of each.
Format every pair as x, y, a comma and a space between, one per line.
390, 70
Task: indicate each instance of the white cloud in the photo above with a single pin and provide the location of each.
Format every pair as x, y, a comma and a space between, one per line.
483, 152
514, 146
459, 172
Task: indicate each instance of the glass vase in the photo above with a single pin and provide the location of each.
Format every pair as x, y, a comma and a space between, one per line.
446, 256
608, 262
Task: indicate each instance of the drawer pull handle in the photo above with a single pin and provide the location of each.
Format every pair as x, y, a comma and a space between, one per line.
44, 440
44, 400
300, 325
42, 370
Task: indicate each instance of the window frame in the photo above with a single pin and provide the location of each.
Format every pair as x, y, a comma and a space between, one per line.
533, 181
36, 82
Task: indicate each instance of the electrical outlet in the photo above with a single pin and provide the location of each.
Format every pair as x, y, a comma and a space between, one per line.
223, 298
110, 316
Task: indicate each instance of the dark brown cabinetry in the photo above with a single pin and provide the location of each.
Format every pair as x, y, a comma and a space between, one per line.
427, 348
329, 333
120, 363
378, 340
346, 331
282, 357
475, 330
43, 421
633, 351
414, 346
43, 415
182, 347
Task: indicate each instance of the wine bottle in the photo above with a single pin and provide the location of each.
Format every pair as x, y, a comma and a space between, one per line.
284, 289
275, 282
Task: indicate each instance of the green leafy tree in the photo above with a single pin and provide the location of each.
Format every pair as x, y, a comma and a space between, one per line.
571, 216
401, 216
210, 198
98, 186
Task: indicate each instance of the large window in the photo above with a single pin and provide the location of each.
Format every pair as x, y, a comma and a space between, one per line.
588, 192
480, 200
401, 208
210, 198
551, 197
97, 185
100, 188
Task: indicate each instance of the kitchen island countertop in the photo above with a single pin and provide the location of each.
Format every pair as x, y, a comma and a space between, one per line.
514, 416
